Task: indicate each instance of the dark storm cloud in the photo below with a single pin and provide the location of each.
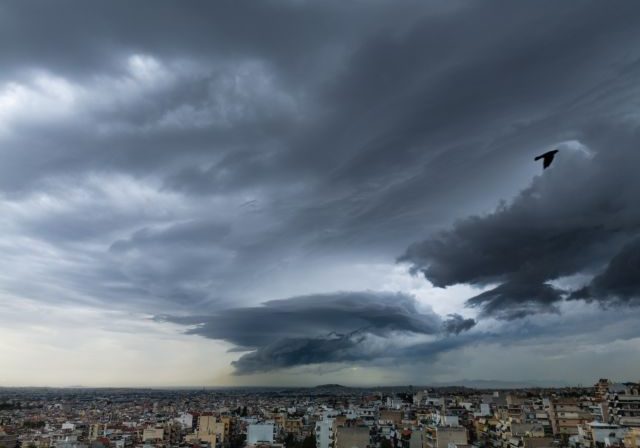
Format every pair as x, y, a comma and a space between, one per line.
162, 157
515, 299
292, 352
322, 328
352, 348
223, 29
571, 220
368, 328
320, 314
386, 108
619, 283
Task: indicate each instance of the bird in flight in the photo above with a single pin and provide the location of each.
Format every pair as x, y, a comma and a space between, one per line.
547, 158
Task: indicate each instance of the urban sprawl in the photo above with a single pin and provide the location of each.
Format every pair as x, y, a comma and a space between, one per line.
329, 416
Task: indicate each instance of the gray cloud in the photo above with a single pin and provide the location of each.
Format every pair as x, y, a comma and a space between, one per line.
292, 352
133, 142
319, 314
346, 329
457, 324
323, 328
619, 283
553, 229
515, 298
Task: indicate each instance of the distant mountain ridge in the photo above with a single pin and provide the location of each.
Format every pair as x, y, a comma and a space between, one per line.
464, 383
501, 384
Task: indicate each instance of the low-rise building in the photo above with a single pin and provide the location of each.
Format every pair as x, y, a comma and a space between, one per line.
441, 436
352, 437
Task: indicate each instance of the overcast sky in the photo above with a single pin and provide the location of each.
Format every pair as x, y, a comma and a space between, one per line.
294, 192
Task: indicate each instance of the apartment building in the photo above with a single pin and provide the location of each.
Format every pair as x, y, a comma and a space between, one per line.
566, 415
324, 433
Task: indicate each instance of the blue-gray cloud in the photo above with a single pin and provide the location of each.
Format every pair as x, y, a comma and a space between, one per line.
619, 283
572, 220
188, 158
325, 328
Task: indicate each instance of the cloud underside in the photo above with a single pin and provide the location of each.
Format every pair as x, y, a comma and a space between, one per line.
577, 219
391, 331
552, 230
329, 328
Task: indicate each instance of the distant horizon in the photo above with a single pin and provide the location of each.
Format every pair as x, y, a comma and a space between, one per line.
497, 384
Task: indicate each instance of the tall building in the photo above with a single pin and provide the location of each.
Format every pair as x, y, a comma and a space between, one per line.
324, 433
226, 421
210, 430
601, 389
566, 416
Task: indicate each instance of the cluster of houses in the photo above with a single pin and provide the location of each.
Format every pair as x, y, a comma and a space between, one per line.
606, 415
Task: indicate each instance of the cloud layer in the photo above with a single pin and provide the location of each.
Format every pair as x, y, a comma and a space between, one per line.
573, 219
201, 159
325, 328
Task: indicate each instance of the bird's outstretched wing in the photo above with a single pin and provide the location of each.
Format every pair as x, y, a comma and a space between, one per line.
547, 158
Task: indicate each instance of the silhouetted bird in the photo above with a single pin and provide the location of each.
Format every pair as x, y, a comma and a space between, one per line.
547, 158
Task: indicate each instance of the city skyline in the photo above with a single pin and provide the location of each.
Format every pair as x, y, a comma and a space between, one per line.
295, 193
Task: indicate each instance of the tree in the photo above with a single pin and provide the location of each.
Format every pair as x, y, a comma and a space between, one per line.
237, 440
309, 442
291, 442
